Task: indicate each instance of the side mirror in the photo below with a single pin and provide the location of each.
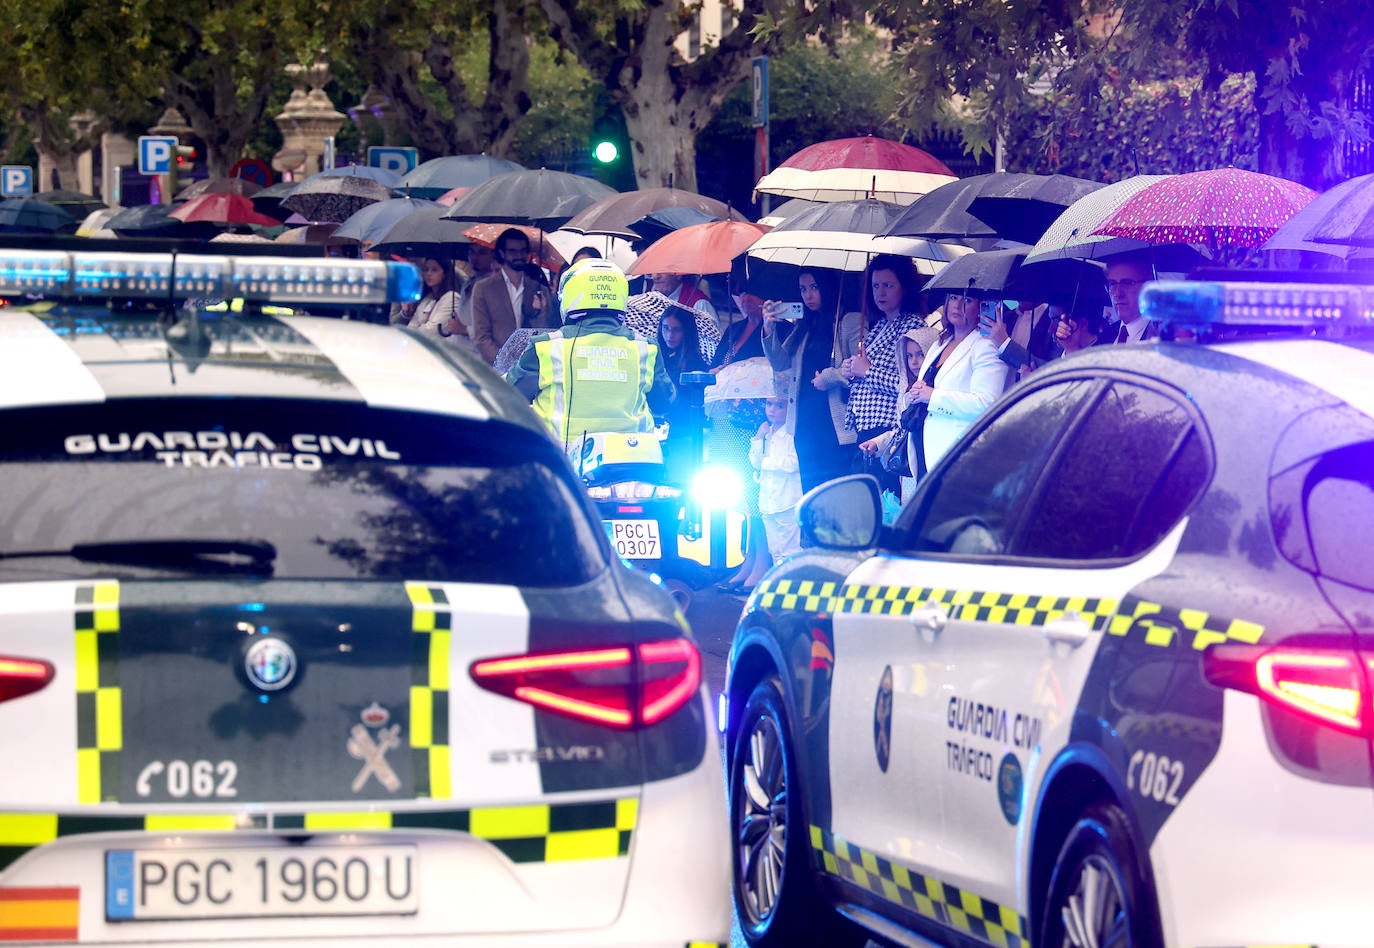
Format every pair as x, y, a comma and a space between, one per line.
843, 514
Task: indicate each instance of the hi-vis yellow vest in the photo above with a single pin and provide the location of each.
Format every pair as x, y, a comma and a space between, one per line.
594, 381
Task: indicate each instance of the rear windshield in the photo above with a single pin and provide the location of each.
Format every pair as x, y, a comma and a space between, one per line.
341, 491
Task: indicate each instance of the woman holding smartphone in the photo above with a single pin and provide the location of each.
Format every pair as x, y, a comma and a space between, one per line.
805, 350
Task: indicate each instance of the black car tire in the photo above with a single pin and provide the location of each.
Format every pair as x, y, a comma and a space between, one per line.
1098, 866
774, 890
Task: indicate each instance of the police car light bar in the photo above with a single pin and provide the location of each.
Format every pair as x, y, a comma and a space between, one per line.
1330, 308
180, 277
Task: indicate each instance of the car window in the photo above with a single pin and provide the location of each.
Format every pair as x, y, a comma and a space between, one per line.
1335, 514
981, 492
341, 490
1126, 475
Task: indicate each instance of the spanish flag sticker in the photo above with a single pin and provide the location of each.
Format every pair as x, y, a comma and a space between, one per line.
39, 914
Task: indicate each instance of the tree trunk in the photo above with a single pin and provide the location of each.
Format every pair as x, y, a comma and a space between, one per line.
662, 132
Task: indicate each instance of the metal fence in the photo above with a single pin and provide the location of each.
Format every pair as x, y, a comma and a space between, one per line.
1359, 159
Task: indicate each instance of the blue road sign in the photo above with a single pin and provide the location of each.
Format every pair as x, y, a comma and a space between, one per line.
399, 160
16, 180
760, 73
156, 154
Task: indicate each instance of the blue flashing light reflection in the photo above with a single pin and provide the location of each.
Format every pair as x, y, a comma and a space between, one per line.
263, 699
251, 606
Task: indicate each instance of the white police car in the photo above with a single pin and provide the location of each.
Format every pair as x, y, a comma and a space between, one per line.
307, 632
1107, 679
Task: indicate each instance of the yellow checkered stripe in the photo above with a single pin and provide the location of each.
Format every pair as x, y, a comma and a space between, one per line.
99, 714
1163, 626
558, 832
1150, 622
432, 624
929, 897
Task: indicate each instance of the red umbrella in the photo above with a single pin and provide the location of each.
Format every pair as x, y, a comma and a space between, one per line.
851, 169
221, 208
699, 248
543, 253
1220, 208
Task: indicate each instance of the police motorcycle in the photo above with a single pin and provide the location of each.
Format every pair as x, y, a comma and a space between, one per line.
673, 516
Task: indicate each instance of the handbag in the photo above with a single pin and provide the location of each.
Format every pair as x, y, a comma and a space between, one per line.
895, 460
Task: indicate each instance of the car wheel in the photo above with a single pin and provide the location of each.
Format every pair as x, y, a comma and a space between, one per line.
1097, 897
774, 892
681, 593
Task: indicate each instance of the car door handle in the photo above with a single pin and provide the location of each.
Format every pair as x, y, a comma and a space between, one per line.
1070, 629
929, 620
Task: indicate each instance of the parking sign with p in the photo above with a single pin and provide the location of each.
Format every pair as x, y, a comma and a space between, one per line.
16, 180
156, 154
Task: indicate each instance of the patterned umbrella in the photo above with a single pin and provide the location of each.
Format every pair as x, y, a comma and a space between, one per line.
28, 215
701, 248
221, 207
847, 169
1071, 234
439, 175
1220, 209
615, 214
218, 186
371, 224
383, 176
644, 311
335, 198
542, 252
747, 378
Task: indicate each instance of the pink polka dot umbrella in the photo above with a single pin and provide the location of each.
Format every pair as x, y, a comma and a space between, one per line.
1220, 208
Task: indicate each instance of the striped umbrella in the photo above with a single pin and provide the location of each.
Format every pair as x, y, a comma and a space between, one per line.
1072, 233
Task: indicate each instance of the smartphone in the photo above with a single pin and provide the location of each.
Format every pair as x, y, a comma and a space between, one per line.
987, 315
791, 311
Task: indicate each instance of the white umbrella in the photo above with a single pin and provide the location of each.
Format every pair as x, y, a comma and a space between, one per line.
841, 250
615, 249
1071, 235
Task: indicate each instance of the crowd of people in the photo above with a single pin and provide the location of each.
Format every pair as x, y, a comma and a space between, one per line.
884, 389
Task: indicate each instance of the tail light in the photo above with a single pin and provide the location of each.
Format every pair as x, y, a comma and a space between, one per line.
23, 676
620, 686
1328, 686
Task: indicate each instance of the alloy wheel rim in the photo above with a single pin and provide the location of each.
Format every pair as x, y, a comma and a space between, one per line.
761, 820
1094, 913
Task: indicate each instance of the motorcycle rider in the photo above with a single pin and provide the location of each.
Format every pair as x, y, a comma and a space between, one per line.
594, 374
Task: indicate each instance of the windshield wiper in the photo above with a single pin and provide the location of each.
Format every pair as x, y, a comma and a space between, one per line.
200, 556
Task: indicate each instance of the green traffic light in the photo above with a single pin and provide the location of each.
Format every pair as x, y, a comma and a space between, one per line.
606, 152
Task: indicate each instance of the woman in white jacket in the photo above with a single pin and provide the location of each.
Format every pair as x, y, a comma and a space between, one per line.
960, 377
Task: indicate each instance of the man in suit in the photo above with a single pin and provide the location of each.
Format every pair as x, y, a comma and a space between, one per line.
1127, 275
511, 298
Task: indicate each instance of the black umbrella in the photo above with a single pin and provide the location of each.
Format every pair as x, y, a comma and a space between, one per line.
151, 220
544, 199
943, 213
335, 197
28, 215
76, 203
218, 186
268, 200
664, 221
1000, 274
425, 233
436, 177
1022, 207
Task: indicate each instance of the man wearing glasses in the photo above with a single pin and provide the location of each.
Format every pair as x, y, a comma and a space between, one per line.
514, 297
1127, 275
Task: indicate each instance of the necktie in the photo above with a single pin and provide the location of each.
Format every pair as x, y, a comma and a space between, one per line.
1124, 335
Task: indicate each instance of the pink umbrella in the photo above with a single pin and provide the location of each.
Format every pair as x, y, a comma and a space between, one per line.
698, 248
850, 169
1220, 208
221, 207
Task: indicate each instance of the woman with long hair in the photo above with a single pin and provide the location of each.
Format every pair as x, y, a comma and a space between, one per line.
679, 342
436, 311
805, 355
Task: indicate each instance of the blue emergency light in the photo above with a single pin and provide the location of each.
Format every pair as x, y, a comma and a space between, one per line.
1327, 308
180, 277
